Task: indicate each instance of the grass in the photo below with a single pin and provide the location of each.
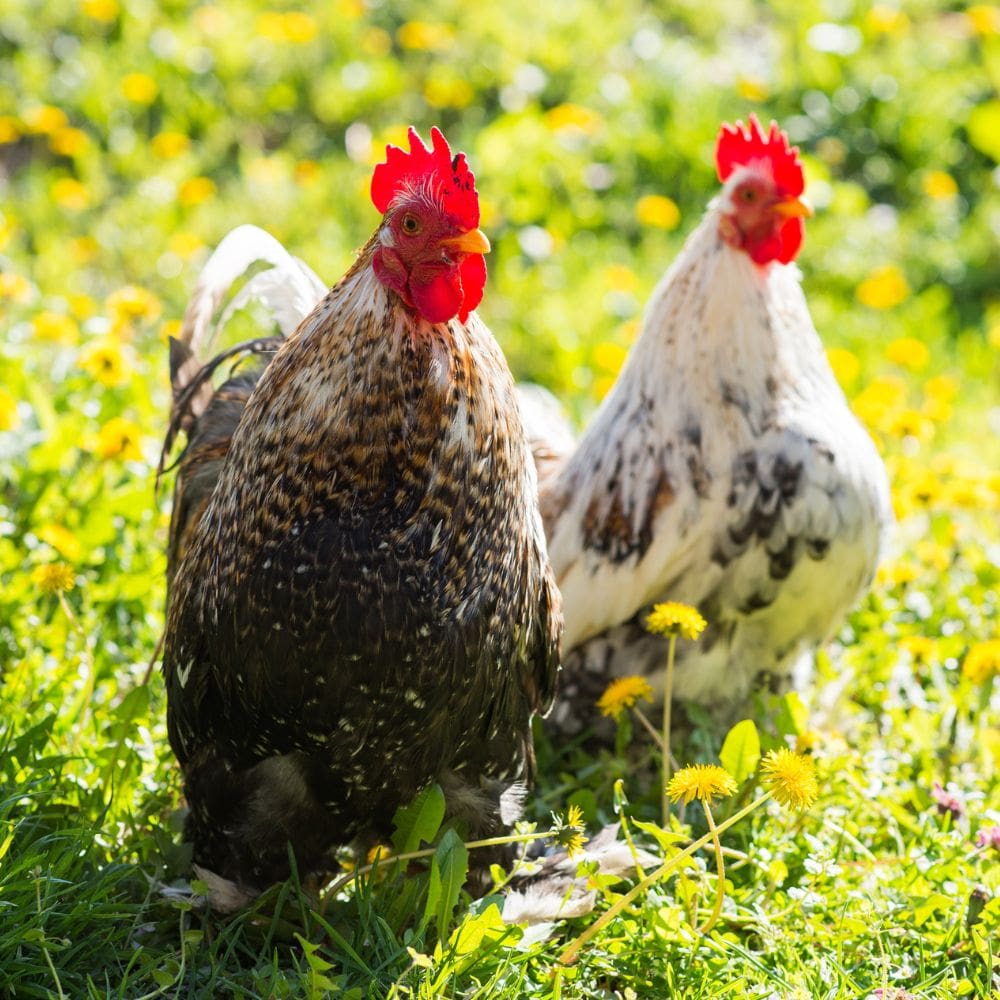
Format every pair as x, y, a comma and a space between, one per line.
132, 137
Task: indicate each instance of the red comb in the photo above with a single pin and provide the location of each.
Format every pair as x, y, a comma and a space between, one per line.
449, 177
739, 145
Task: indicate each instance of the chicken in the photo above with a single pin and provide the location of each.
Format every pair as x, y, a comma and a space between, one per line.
363, 604
724, 469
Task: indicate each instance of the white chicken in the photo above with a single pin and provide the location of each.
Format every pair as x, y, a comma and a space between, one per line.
724, 469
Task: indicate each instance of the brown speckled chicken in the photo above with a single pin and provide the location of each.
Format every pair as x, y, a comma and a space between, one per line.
364, 606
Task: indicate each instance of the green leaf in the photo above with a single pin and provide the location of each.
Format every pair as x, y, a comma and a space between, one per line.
793, 716
418, 822
488, 926
740, 752
664, 838
451, 860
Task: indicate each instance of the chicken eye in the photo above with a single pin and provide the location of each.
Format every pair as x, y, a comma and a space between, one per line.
411, 225
748, 194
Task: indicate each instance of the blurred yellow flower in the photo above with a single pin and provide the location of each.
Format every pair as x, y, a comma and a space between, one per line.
939, 185
62, 540
195, 190
454, 93
993, 336
15, 287
982, 661
937, 410
376, 42
44, 119
84, 249
909, 423
658, 210
104, 360
752, 89
609, 356
295, 27
185, 244
139, 88
573, 116
701, 781
81, 306
908, 352
622, 694
70, 194
920, 647
790, 778
100, 10
131, 303
568, 833
620, 278
9, 418
844, 363
118, 438
57, 328
878, 398
423, 35
69, 141
53, 577
168, 145
10, 129
941, 388
885, 20
885, 288
674, 618
307, 172
984, 19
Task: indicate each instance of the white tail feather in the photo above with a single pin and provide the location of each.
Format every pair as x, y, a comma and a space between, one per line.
290, 289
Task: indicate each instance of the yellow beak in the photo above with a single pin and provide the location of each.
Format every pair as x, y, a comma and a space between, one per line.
474, 241
793, 208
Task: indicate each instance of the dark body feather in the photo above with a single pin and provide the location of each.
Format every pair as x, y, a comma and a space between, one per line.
364, 606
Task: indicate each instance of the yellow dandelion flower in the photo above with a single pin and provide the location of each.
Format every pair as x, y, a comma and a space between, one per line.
56, 328
139, 88
82, 306
790, 778
453, 93
84, 249
195, 190
132, 303
307, 172
53, 577
104, 360
44, 119
69, 141
984, 19
376, 42
920, 647
424, 36
569, 832
10, 129
701, 781
620, 278
657, 210
609, 356
9, 418
886, 288
909, 423
69, 193
168, 145
908, 352
573, 116
941, 388
674, 618
185, 244
15, 287
294, 27
939, 185
982, 661
100, 10
752, 89
885, 20
845, 364
622, 694
118, 438
62, 540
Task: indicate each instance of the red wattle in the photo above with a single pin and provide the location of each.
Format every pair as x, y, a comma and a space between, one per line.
440, 299
473, 271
